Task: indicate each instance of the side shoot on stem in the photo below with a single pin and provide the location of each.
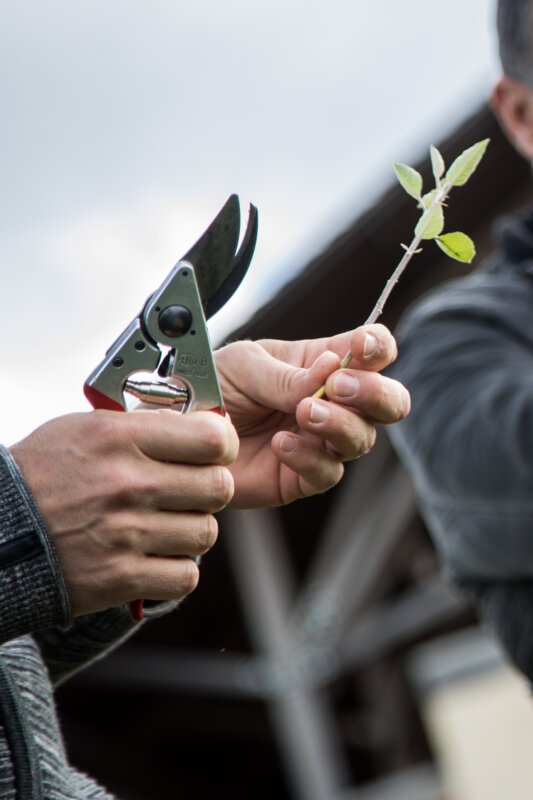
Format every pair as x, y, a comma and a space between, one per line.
430, 225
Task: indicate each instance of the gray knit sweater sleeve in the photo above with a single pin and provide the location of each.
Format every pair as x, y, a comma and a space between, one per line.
33, 595
91, 637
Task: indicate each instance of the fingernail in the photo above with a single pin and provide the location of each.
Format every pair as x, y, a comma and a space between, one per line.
345, 385
319, 412
370, 345
288, 443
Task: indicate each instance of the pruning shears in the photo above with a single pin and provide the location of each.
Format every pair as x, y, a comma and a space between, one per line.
169, 336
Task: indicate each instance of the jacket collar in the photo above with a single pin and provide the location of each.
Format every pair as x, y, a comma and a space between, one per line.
514, 239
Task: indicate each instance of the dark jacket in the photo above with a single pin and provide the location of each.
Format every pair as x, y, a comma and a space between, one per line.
466, 355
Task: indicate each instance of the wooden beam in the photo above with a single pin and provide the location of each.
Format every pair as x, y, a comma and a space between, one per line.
343, 578
415, 613
147, 668
303, 721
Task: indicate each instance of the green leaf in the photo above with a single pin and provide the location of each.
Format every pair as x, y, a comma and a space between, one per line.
457, 245
465, 164
437, 163
410, 179
430, 223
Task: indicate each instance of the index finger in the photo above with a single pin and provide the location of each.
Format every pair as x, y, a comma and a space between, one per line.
199, 437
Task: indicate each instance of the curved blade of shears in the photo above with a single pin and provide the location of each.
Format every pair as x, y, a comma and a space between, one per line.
218, 269
240, 266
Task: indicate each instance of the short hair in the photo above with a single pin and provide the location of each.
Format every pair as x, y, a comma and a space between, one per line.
514, 21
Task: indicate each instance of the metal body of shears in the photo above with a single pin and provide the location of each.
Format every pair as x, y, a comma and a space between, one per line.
170, 333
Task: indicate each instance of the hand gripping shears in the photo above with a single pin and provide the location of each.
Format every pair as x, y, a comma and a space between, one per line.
170, 333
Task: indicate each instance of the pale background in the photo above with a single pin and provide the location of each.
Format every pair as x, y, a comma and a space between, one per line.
126, 124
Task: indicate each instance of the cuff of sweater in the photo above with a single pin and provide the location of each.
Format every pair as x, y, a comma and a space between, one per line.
106, 627
33, 594
158, 608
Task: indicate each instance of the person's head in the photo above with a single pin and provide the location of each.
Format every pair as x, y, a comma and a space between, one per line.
512, 97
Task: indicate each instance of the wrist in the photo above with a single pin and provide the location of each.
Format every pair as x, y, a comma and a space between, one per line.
32, 590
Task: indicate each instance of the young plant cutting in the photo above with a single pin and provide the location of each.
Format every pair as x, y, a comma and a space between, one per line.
430, 225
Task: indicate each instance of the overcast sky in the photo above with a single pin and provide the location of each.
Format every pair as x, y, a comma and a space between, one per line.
127, 124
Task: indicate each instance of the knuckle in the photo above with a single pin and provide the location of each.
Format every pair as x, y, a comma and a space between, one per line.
405, 402
219, 438
129, 577
369, 440
395, 399
337, 474
189, 577
332, 476
364, 440
324, 479
222, 487
208, 534
108, 429
124, 485
121, 533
